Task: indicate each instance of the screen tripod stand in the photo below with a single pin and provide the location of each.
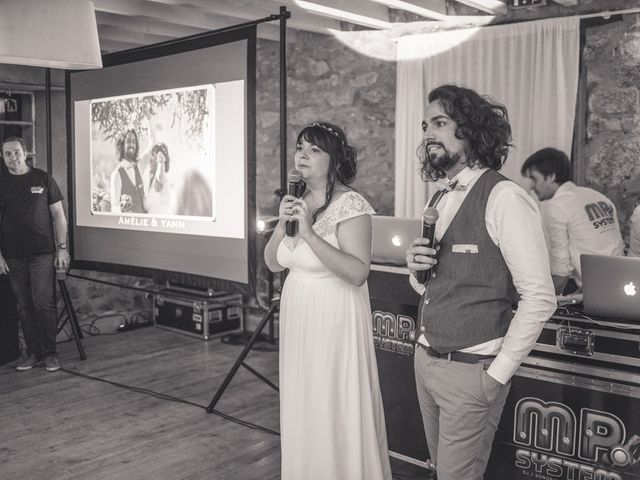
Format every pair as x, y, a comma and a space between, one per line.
267, 319
274, 302
70, 314
268, 316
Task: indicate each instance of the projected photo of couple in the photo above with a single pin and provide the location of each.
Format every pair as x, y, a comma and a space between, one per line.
152, 154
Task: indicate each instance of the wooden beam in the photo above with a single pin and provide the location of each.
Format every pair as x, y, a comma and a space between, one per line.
139, 37
256, 9
434, 9
195, 16
113, 41
359, 12
147, 24
180, 15
494, 7
134, 8
111, 45
555, 10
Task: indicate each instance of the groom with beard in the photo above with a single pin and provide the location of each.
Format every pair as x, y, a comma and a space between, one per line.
127, 187
489, 253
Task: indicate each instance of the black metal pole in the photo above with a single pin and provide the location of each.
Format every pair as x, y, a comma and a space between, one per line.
284, 14
73, 320
47, 82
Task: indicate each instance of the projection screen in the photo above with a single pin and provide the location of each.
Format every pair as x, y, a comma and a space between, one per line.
162, 161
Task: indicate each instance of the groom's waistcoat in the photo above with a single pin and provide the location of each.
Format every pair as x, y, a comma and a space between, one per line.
469, 297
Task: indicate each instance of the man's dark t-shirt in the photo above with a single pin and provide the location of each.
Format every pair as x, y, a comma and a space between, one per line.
27, 226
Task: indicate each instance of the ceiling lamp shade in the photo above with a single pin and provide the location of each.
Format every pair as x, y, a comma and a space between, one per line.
49, 33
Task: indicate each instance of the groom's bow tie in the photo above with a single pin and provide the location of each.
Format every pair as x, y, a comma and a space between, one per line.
452, 185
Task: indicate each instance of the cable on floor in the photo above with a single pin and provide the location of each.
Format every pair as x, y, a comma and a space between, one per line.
171, 398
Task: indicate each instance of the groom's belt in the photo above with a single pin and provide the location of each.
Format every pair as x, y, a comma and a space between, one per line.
462, 357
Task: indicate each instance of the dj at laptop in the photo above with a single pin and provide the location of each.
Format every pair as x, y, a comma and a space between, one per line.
577, 220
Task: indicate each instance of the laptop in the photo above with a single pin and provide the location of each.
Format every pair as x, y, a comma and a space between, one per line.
392, 237
611, 286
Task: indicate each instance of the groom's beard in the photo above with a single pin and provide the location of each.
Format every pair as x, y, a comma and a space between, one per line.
441, 161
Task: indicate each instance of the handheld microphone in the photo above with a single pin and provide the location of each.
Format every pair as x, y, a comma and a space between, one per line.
295, 188
429, 219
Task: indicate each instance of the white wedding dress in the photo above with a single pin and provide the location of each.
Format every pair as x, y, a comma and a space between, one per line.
332, 420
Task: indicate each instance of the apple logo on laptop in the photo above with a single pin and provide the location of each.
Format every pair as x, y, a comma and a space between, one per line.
630, 289
397, 241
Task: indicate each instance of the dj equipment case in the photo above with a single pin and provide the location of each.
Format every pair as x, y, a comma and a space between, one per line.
203, 316
394, 306
573, 411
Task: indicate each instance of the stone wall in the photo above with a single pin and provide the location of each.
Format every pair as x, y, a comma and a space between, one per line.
612, 64
327, 81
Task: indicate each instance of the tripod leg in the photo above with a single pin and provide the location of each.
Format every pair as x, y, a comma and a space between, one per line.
239, 361
73, 320
68, 307
66, 318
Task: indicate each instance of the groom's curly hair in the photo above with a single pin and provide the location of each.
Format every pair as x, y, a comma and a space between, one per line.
481, 122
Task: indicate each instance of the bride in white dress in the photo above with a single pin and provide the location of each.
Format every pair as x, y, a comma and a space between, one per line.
331, 415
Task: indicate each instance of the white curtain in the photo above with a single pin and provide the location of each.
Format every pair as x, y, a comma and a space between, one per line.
531, 68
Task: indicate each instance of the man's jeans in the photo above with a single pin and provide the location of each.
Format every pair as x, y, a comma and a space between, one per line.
32, 281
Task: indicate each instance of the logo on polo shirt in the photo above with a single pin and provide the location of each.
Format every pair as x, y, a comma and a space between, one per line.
37, 189
600, 214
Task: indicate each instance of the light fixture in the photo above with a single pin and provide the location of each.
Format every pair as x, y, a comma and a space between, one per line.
53, 34
265, 225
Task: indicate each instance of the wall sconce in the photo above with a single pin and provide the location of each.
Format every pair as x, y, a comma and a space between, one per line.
266, 225
53, 34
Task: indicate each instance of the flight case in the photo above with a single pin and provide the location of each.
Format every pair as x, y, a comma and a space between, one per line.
573, 411
203, 316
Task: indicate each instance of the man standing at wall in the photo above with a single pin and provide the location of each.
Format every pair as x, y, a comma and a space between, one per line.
33, 231
490, 250
576, 219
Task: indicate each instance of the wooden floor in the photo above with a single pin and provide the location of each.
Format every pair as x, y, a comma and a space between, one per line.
62, 426
56, 426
